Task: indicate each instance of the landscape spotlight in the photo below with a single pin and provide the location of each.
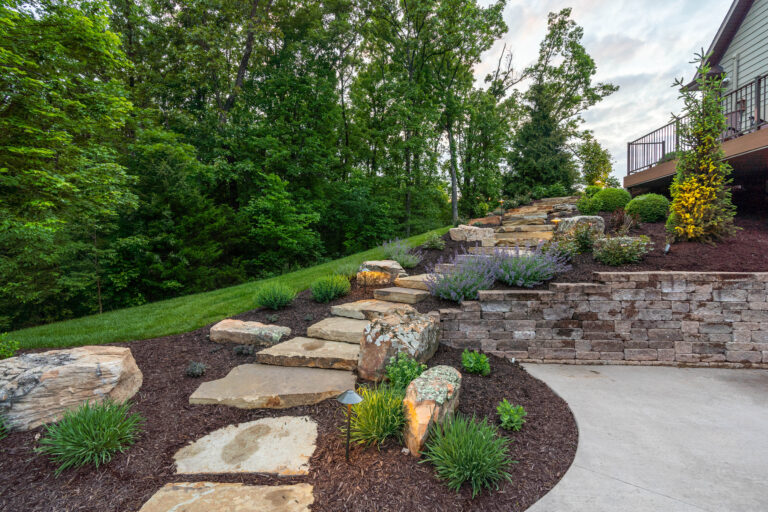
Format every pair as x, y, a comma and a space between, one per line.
349, 398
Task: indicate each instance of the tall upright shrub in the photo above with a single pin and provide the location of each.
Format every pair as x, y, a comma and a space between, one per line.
701, 207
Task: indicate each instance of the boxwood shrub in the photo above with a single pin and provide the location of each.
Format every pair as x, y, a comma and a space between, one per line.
612, 199
649, 207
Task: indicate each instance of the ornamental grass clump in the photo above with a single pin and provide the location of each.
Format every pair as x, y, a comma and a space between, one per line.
92, 434
620, 250
274, 295
378, 417
331, 287
467, 450
701, 208
402, 369
469, 274
529, 269
402, 253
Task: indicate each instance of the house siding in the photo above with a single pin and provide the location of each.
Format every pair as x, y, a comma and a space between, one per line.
747, 55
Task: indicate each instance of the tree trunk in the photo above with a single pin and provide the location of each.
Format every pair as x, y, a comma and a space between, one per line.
454, 180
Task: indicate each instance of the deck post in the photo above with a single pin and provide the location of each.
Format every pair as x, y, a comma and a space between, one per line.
629, 160
757, 119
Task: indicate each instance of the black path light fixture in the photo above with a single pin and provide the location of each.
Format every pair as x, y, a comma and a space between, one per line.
349, 398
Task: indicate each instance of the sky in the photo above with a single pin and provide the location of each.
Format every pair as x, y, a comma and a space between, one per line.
641, 46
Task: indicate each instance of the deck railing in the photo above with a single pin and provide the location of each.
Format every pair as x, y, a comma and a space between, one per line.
745, 109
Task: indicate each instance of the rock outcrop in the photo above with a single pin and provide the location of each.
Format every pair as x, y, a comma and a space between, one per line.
570, 223
248, 333
429, 400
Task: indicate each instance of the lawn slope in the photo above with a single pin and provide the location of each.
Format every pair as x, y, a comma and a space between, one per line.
177, 315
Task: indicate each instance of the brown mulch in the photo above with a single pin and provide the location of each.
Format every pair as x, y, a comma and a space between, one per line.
374, 480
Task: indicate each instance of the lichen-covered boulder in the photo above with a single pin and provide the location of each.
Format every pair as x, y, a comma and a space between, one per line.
429, 400
465, 233
403, 331
38, 388
248, 333
570, 223
379, 272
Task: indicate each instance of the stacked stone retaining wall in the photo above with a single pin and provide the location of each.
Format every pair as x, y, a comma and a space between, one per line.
655, 318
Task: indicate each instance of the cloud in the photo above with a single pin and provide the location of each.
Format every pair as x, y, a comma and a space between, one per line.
639, 46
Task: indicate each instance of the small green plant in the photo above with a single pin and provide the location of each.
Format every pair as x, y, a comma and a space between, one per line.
3, 429
8, 347
402, 253
511, 416
583, 237
91, 434
402, 369
273, 318
475, 362
274, 295
378, 417
620, 250
539, 191
589, 205
612, 199
467, 450
195, 369
348, 270
309, 317
434, 242
331, 287
556, 190
649, 207
244, 350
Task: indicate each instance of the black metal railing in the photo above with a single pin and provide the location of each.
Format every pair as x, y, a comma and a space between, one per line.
745, 109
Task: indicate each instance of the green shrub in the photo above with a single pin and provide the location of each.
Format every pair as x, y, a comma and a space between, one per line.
539, 191
244, 350
8, 347
649, 207
589, 205
620, 250
348, 270
583, 237
467, 450
91, 434
378, 417
612, 199
475, 362
621, 222
511, 416
434, 242
195, 369
591, 190
402, 369
328, 288
561, 246
275, 295
557, 190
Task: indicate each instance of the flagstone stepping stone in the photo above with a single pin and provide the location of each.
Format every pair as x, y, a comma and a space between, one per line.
417, 282
338, 328
281, 446
368, 309
248, 333
262, 386
525, 235
525, 227
398, 294
221, 497
518, 220
311, 352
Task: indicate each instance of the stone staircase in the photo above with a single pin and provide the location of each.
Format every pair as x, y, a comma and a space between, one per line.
528, 225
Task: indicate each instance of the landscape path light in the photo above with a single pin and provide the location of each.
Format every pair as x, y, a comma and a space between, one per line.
349, 398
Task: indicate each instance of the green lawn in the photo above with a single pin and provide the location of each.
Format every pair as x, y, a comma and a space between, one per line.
177, 315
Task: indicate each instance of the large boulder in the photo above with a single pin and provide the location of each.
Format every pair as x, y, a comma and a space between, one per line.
569, 224
38, 388
379, 272
465, 233
248, 333
429, 400
409, 332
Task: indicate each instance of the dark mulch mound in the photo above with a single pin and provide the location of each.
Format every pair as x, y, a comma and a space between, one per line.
375, 480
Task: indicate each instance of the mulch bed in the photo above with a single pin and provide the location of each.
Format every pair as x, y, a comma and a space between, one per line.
375, 479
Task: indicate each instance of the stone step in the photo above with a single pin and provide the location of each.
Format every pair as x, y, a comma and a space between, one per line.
279, 446
417, 282
337, 328
263, 386
368, 309
441, 268
312, 353
525, 235
529, 210
220, 497
523, 220
398, 294
557, 200
525, 228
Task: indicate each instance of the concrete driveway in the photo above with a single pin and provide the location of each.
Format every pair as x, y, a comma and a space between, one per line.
662, 439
